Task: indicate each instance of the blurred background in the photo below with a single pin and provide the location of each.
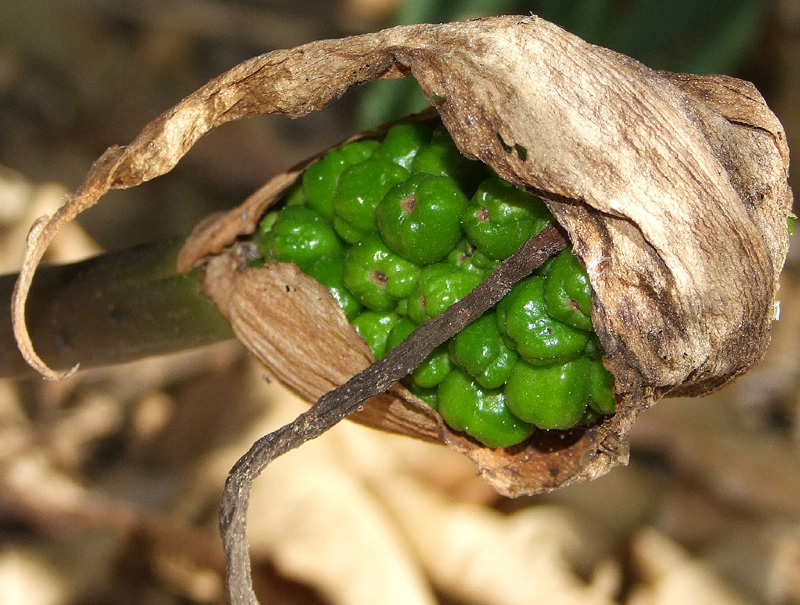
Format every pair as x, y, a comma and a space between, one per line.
109, 481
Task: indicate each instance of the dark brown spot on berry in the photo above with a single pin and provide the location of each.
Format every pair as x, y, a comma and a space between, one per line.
483, 214
379, 277
410, 203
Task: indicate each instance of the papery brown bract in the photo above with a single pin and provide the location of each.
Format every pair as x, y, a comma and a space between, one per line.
673, 190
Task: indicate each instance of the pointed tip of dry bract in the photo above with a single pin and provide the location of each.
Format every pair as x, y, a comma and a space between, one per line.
39, 237
102, 176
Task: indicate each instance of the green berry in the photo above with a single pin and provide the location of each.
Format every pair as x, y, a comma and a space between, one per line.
544, 268
442, 158
402, 142
327, 270
360, 188
374, 328
321, 178
401, 330
481, 413
590, 417
550, 397
402, 307
436, 366
467, 257
438, 287
297, 235
568, 292
377, 276
295, 196
347, 231
429, 396
594, 350
266, 224
601, 389
479, 350
538, 337
420, 219
501, 217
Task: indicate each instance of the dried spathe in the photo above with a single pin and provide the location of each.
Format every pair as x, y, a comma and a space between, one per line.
672, 189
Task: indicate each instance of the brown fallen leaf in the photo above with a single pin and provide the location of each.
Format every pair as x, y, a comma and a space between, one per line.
522, 557
752, 470
324, 527
670, 575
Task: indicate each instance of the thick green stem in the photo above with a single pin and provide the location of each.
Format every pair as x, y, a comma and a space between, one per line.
110, 309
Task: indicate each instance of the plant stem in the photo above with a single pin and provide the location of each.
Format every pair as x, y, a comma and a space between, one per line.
110, 309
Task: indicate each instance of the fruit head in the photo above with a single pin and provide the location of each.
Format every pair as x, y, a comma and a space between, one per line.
439, 286
374, 327
436, 366
397, 248
601, 389
568, 293
467, 257
442, 158
402, 143
327, 270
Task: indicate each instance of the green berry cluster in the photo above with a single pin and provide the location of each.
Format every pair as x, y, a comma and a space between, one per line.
399, 230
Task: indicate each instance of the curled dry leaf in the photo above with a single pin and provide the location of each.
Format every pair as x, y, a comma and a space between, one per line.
672, 188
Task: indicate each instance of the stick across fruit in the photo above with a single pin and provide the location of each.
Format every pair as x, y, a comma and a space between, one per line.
400, 229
